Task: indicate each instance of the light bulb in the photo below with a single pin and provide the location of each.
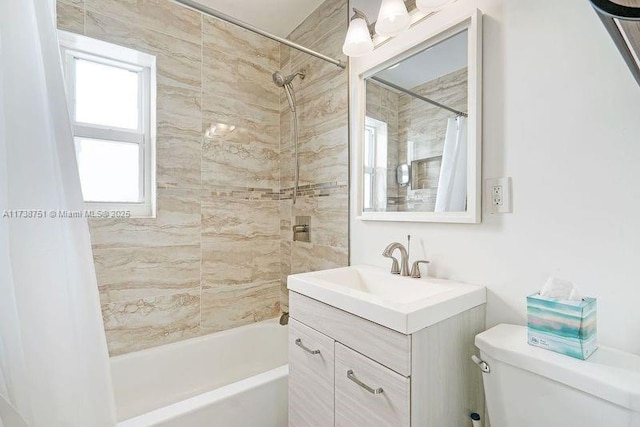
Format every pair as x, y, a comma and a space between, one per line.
358, 41
428, 6
393, 18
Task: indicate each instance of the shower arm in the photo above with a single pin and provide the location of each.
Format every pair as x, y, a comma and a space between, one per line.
216, 14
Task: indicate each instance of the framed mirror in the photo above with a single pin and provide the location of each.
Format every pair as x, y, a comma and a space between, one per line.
415, 117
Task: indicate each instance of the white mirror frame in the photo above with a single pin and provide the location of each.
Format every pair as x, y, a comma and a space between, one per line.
424, 33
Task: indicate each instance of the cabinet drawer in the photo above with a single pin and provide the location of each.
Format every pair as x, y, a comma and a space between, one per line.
384, 345
311, 374
357, 406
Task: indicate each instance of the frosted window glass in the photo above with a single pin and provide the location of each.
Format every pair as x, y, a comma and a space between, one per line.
368, 185
109, 171
106, 95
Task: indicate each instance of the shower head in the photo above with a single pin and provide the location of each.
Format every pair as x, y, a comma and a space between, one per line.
285, 82
280, 80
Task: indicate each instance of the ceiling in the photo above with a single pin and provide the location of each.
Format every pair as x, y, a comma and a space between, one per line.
438, 60
279, 17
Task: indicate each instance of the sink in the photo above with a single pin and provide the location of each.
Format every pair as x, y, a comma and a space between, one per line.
400, 303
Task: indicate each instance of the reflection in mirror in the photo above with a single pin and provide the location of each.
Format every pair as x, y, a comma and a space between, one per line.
415, 150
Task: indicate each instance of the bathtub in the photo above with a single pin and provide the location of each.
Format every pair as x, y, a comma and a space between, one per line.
234, 378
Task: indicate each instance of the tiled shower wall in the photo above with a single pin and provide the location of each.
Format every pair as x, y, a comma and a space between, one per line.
219, 252
220, 248
322, 105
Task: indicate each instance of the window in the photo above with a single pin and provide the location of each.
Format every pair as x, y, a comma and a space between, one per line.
111, 94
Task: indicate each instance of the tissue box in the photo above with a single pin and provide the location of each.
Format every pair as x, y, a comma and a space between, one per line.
565, 327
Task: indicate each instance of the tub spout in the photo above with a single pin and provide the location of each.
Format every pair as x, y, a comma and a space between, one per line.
284, 319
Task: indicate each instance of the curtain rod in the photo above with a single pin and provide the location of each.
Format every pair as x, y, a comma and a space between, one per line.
415, 95
212, 12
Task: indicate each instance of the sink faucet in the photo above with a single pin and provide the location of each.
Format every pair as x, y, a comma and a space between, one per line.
404, 258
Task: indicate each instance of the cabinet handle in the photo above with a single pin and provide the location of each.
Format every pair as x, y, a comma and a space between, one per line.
305, 348
371, 390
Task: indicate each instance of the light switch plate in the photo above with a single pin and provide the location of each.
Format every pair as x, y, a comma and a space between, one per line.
499, 195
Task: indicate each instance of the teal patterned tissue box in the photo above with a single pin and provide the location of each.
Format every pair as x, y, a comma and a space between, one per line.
567, 327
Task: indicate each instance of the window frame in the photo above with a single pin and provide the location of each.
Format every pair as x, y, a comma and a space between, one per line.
376, 136
369, 164
74, 46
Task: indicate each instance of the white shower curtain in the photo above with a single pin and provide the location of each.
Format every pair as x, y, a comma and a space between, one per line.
54, 367
452, 185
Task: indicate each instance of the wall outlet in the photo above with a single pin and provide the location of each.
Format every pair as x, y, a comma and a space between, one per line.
498, 195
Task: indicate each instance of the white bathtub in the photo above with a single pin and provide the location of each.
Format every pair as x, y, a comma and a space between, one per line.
234, 378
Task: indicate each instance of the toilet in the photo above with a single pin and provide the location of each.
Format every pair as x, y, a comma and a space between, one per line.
527, 386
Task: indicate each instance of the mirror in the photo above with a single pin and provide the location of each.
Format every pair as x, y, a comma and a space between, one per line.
419, 143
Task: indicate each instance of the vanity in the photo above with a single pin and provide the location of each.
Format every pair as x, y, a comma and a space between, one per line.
368, 348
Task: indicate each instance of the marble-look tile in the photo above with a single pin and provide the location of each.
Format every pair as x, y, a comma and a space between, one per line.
232, 262
322, 22
324, 112
332, 219
227, 218
178, 158
159, 15
126, 274
230, 306
222, 39
329, 218
285, 261
179, 108
286, 221
325, 157
248, 156
149, 322
309, 257
77, 3
240, 78
285, 271
253, 122
178, 61
239, 164
177, 224
70, 17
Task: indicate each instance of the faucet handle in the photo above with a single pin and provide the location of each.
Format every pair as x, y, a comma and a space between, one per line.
395, 268
415, 268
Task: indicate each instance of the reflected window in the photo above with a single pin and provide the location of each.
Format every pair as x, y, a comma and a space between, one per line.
375, 165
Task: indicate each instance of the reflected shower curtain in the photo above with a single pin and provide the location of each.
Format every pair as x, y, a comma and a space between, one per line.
452, 185
54, 366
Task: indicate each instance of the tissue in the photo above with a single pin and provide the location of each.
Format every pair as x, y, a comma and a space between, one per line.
561, 320
559, 289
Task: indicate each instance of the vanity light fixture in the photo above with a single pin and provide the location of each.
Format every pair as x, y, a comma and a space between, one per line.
428, 6
358, 41
393, 18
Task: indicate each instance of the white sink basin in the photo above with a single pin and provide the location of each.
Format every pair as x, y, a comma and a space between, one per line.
401, 303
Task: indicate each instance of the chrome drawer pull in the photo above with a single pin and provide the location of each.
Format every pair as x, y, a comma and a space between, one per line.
353, 378
305, 348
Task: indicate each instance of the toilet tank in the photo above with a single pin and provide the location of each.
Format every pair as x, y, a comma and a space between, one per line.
531, 387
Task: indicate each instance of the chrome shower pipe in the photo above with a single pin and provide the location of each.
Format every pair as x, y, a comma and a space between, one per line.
212, 12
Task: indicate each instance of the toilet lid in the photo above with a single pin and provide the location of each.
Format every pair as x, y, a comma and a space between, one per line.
609, 374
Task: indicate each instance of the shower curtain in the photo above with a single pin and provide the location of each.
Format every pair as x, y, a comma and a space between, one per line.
54, 366
452, 185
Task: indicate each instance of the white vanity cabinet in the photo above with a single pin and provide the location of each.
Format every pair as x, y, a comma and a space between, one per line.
346, 371
311, 377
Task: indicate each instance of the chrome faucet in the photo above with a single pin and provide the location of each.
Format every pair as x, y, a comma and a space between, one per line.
404, 258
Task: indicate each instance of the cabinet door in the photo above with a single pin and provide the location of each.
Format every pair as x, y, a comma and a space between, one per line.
369, 394
311, 370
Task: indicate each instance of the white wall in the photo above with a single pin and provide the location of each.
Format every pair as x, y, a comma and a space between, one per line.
562, 117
